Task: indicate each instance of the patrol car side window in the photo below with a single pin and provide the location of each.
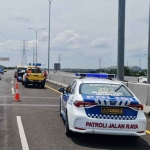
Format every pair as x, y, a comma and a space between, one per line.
73, 88
68, 89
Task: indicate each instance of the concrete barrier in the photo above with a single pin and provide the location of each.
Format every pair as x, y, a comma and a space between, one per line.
130, 78
61, 78
141, 91
148, 100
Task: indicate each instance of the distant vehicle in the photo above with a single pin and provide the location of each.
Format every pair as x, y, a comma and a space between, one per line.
20, 70
1, 70
98, 105
142, 79
5, 70
34, 76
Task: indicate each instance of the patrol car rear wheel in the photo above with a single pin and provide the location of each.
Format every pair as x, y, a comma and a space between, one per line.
67, 131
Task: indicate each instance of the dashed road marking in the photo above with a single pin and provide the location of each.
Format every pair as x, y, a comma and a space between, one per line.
52, 89
22, 134
12, 89
12, 81
148, 132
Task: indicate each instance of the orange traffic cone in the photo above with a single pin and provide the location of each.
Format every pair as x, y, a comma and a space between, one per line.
17, 95
17, 87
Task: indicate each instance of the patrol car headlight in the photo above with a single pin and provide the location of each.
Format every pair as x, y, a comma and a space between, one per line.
137, 107
84, 104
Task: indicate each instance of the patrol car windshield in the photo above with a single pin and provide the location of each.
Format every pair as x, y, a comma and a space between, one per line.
104, 89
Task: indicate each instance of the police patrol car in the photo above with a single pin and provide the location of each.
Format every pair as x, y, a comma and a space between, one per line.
97, 105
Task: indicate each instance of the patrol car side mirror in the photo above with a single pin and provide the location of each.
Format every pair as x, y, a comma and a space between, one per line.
62, 89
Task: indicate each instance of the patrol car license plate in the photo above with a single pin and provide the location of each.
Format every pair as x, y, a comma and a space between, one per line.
111, 110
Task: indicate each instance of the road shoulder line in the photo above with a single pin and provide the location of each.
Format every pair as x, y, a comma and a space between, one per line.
22, 134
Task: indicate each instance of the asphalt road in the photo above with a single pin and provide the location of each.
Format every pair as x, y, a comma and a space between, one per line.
35, 122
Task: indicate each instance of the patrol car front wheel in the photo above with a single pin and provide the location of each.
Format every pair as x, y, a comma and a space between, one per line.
67, 131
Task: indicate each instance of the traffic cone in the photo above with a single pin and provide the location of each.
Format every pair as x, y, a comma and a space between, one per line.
17, 95
17, 87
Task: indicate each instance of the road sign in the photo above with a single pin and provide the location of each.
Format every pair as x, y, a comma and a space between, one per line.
38, 64
56, 66
4, 58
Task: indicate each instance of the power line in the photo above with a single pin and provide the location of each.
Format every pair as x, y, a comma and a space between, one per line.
24, 59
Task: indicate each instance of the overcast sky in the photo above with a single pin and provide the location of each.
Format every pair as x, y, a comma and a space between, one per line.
82, 32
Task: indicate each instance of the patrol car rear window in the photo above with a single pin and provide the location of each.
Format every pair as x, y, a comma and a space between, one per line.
104, 89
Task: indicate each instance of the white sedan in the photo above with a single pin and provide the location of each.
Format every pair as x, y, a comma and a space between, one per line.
101, 106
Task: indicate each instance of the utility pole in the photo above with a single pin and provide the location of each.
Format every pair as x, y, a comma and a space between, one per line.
24, 60
100, 65
127, 63
50, 1
148, 55
33, 51
59, 58
121, 39
140, 62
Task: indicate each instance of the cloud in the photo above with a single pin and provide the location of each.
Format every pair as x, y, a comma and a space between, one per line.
143, 19
137, 50
101, 43
10, 46
22, 18
68, 40
43, 36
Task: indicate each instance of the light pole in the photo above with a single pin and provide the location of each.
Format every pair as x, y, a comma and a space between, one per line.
36, 31
148, 54
121, 40
140, 63
50, 1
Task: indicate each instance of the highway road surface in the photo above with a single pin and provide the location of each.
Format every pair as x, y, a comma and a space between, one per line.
35, 124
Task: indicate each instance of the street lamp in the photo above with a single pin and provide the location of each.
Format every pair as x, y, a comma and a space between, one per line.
140, 63
49, 35
36, 31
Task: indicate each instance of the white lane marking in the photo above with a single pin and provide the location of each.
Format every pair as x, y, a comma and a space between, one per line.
12, 78
12, 89
42, 97
22, 134
12, 81
30, 105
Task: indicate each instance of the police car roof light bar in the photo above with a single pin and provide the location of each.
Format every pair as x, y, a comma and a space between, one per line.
96, 75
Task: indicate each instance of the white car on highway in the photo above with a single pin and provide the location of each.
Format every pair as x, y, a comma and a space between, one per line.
101, 106
142, 79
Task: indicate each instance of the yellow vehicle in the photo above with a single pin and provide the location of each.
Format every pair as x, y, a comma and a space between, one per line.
34, 76
5, 70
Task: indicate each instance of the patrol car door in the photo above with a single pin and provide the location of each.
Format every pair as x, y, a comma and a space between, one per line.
66, 96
